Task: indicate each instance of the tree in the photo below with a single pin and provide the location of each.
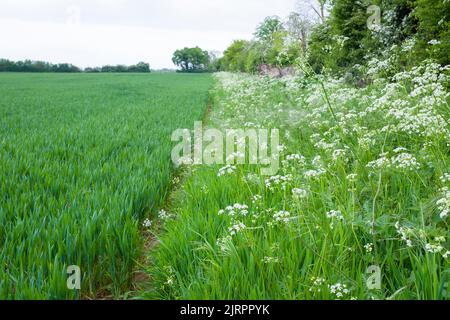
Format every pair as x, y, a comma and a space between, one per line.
434, 29
191, 59
298, 28
234, 58
266, 30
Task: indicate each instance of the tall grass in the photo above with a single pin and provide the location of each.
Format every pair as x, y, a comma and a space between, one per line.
83, 159
366, 185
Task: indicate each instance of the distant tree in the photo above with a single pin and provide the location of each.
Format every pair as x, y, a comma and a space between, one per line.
299, 28
191, 59
140, 67
267, 29
215, 60
35, 66
234, 58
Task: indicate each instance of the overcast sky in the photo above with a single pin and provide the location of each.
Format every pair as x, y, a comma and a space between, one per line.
98, 32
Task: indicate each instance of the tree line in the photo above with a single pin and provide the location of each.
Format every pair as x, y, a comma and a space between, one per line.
336, 37
41, 66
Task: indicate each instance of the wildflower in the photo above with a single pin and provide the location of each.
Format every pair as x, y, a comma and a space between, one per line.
369, 247
445, 178
295, 158
278, 181
433, 248
405, 161
299, 193
314, 174
236, 228
380, 163
175, 180
443, 204
256, 198
339, 290
400, 149
317, 284
333, 214
235, 210
269, 260
282, 216
147, 223
434, 42
446, 255
440, 239
163, 215
339, 154
229, 169
352, 177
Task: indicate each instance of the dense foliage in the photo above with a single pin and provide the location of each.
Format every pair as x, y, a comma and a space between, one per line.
342, 40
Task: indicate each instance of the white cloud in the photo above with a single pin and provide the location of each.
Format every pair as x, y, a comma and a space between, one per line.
126, 31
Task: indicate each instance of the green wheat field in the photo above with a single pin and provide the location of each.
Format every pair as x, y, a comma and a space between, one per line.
84, 158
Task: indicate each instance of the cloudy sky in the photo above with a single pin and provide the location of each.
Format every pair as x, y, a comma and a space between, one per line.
98, 32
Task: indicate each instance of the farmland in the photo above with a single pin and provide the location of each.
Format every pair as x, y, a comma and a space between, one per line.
84, 159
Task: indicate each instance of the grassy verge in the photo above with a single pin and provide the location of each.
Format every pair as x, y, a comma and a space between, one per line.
364, 187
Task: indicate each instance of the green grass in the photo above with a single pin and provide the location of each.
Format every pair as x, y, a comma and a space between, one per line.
83, 159
391, 212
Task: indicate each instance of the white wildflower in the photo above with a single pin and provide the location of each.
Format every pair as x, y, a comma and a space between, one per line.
229, 169
147, 223
282, 216
300, 193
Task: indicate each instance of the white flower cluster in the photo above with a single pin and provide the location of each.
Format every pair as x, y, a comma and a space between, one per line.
437, 247
164, 215
369, 247
444, 203
434, 248
271, 260
300, 193
256, 199
405, 234
445, 178
294, 159
278, 180
147, 223
282, 216
236, 228
235, 210
317, 284
314, 174
339, 290
402, 161
227, 170
333, 214
405, 161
